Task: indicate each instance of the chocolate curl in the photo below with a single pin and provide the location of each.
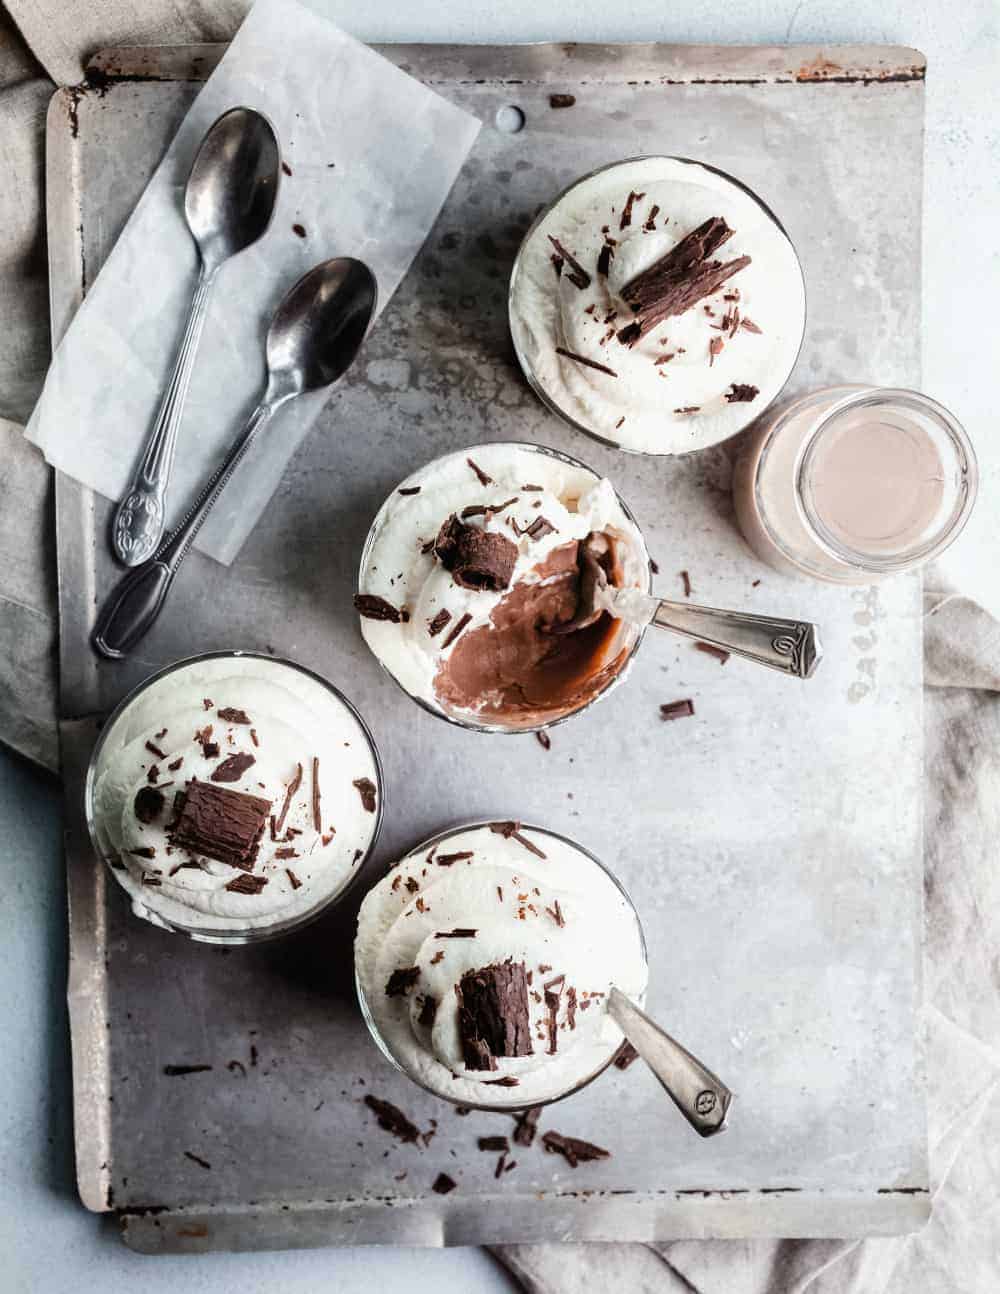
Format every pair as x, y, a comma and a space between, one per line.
477, 559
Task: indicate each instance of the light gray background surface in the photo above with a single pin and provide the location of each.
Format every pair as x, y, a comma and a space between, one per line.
47, 1242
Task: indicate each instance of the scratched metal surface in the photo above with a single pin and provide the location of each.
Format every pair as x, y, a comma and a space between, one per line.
772, 844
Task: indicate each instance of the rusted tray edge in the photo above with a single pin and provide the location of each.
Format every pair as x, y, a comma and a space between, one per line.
581, 63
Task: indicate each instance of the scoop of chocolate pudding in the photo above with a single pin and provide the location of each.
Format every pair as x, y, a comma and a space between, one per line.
519, 667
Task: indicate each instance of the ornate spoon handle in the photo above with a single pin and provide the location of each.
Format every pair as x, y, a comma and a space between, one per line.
790, 646
139, 519
703, 1099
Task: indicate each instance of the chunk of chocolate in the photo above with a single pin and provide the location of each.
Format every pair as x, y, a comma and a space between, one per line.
527, 1125
409, 489
401, 981
154, 749
562, 100
428, 1011
575, 272
477, 559
677, 709
392, 1119
604, 260
493, 1143
148, 804
683, 276
742, 392
247, 884
231, 715
573, 1150
435, 626
232, 768
513, 830
446, 860
373, 607
625, 1056
366, 789
481, 475
710, 649
493, 1014
220, 823
459, 626
443, 1184
544, 740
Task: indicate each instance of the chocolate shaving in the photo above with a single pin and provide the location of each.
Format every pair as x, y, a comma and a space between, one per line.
553, 992
232, 768
152, 773
180, 867
527, 1125
253, 737
625, 1056
373, 607
588, 363
626, 219
401, 981
538, 529
446, 860
366, 789
317, 819
230, 715
650, 224
155, 750
392, 1119
571, 1007
513, 829
176, 1071
714, 348
493, 1019
630, 334
142, 851
151, 880
197, 1159
292, 787
220, 823
576, 274
286, 851
508, 1080
443, 1184
148, 804
428, 1011
293, 880
686, 581
604, 261
460, 932
557, 264
555, 912
573, 1150
749, 325
533, 487
493, 1143
487, 509
720, 653
619, 422
501, 1165
688, 408
438, 623
677, 709
459, 626
683, 276
409, 489
742, 393
247, 884
175, 764
483, 478
438, 957
544, 740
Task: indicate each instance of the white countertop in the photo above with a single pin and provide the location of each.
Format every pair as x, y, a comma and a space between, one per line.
48, 1242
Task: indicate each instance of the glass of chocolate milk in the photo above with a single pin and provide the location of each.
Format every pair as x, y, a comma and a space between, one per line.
852, 484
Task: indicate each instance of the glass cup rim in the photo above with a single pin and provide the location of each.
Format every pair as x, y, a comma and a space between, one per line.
469, 725
949, 531
528, 370
278, 929
439, 838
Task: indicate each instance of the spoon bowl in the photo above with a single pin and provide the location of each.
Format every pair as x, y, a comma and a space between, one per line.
233, 185
319, 326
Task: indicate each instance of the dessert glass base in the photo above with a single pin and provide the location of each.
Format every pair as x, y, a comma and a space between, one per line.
492, 897
234, 796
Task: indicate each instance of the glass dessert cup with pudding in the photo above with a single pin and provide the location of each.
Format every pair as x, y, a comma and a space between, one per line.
853, 484
484, 960
471, 568
658, 305
235, 796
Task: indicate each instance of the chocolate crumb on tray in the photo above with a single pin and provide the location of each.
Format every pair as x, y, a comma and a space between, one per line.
443, 1184
720, 653
573, 1149
527, 1125
677, 709
392, 1119
627, 1054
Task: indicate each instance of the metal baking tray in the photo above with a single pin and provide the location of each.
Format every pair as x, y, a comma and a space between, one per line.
772, 843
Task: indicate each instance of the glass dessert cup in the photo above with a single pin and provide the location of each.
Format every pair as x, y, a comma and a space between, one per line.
310, 689
577, 1082
629, 636
553, 386
853, 484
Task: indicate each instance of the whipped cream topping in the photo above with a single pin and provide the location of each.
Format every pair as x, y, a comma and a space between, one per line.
295, 758
686, 383
401, 568
511, 898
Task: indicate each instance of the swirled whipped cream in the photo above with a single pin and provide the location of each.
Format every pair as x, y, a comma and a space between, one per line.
585, 304
472, 562
485, 962
234, 793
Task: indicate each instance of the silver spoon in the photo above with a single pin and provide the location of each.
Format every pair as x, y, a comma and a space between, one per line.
313, 339
703, 1099
228, 204
789, 646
